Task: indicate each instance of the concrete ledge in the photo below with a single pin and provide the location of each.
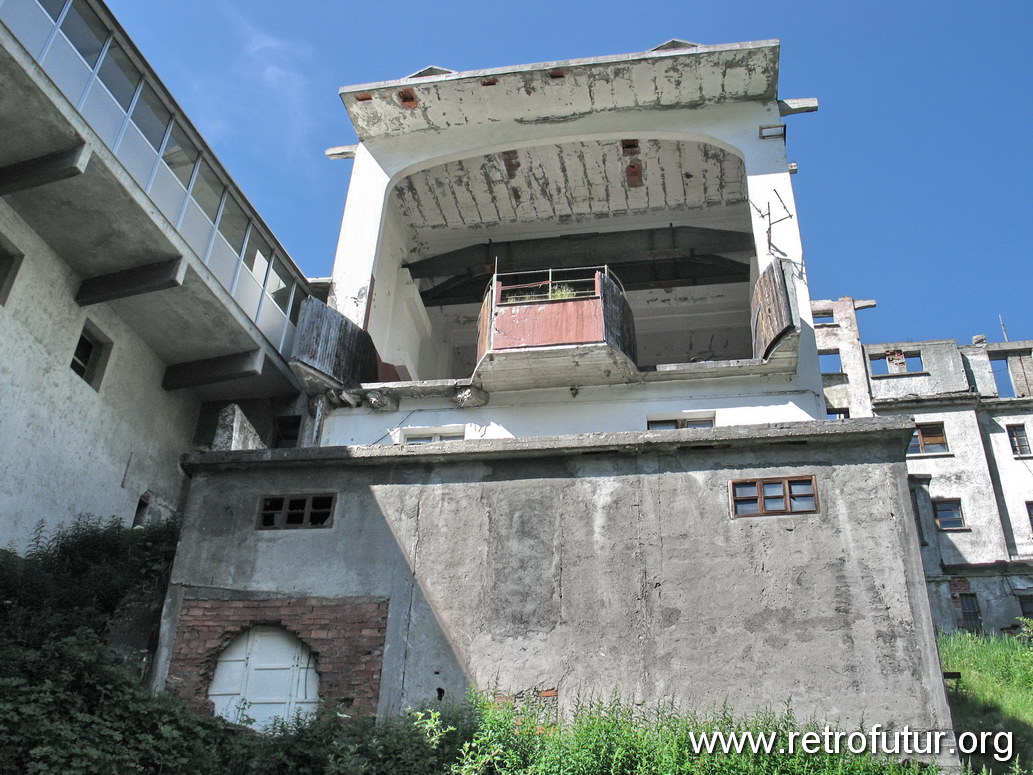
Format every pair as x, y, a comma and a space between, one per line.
49, 168
148, 278
896, 430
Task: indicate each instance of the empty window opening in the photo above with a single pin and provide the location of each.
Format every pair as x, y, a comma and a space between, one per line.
879, 366
140, 517
679, 423
837, 414
430, 435
1026, 606
928, 438
948, 514
896, 362
90, 355
971, 619
557, 74
830, 362
490, 82
441, 694
284, 512
1018, 439
363, 97
1002, 377
759, 497
288, 430
263, 674
1029, 513
629, 147
823, 318
918, 518
913, 363
9, 265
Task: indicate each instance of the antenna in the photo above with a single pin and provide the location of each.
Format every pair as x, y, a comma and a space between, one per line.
1003, 329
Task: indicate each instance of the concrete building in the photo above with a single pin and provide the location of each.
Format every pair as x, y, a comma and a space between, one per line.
139, 291
969, 463
559, 429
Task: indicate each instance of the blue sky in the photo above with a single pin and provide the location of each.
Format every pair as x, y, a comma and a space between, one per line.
915, 175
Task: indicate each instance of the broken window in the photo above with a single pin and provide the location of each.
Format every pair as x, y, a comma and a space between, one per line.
90, 355
837, 414
948, 514
679, 423
971, 619
284, 512
1002, 377
896, 362
830, 362
760, 497
928, 438
1018, 439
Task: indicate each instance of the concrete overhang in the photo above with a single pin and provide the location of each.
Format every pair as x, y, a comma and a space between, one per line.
565, 90
894, 431
110, 233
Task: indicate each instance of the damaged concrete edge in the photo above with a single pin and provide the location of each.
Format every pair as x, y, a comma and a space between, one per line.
895, 429
640, 56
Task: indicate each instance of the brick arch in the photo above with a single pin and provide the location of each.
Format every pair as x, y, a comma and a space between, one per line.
345, 636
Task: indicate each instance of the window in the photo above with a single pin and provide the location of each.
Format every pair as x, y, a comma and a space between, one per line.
430, 435
264, 673
284, 512
896, 362
758, 497
90, 355
928, 438
837, 414
1002, 377
140, 516
1026, 606
679, 423
9, 264
1018, 439
288, 429
971, 619
830, 362
1029, 513
948, 515
823, 318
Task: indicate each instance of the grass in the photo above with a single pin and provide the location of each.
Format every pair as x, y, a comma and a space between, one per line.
995, 692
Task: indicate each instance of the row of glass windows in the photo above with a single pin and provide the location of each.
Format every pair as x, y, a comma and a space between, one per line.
79, 52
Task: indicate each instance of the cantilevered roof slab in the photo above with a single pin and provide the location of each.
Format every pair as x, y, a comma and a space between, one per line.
550, 92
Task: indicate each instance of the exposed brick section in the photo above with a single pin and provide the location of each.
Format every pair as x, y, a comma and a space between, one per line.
958, 585
346, 636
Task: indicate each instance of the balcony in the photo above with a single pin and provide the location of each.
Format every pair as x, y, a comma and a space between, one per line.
554, 328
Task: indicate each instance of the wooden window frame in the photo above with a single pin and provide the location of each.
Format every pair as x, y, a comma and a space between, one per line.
1018, 439
280, 514
760, 497
922, 430
961, 515
973, 616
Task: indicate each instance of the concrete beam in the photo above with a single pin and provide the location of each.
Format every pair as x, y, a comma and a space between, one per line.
159, 276
794, 106
212, 370
49, 168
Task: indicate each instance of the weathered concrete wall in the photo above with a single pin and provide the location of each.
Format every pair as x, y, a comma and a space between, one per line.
943, 371
603, 562
849, 389
66, 448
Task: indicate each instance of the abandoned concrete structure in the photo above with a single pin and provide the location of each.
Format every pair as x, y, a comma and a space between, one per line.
557, 424
970, 466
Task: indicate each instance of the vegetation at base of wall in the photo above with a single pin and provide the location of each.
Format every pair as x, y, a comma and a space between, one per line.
995, 691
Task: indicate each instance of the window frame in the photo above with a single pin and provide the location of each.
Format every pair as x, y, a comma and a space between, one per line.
760, 497
681, 423
961, 515
1018, 439
280, 520
433, 434
974, 614
1022, 607
921, 431
835, 414
96, 362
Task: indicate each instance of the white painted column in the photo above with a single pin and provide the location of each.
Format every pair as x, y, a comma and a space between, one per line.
357, 246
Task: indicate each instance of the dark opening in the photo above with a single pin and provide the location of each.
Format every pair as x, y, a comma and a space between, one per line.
140, 517
83, 353
441, 694
288, 429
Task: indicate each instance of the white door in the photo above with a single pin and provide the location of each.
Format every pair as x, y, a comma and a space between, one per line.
263, 673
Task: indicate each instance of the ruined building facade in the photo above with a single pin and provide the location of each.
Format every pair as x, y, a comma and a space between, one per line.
556, 424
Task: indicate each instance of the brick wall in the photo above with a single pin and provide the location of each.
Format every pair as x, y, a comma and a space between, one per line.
346, 636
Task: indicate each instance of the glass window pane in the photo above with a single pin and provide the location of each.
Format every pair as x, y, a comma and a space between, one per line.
233, 224
299, 297
774, 504
746, 507
801, 503
745, 490
914, 447
85, 31
773, 488
801, 488
661, 425
279, 285
256, 256
207, 191
180, 155
53, 7
119, 75
419, 439
151, 116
